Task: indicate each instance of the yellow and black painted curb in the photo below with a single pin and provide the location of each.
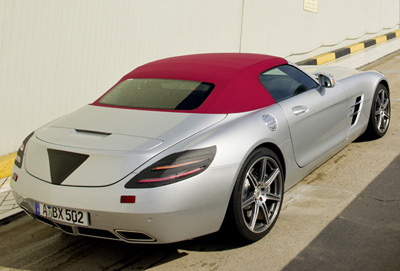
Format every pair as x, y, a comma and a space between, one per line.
6, 164
326, 57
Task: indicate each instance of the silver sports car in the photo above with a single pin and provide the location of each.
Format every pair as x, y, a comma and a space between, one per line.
180, 146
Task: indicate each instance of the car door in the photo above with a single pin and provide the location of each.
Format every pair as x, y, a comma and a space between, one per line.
316, 115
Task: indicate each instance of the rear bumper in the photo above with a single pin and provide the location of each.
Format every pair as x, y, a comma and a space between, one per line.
172, 213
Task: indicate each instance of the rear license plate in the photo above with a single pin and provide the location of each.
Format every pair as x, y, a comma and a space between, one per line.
62, 214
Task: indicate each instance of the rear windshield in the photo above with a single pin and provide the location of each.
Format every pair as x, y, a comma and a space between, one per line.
164, 94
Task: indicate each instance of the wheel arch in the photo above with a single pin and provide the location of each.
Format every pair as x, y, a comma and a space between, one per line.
277, 151
385, 83
230, 218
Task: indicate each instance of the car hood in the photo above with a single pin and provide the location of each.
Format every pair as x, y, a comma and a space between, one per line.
98, 146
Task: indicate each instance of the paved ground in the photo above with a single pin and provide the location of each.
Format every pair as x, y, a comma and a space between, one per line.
344, 216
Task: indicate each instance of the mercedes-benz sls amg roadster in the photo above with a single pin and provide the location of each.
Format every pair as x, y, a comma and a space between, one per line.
181, 146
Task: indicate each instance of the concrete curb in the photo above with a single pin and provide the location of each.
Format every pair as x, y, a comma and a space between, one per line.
326, 57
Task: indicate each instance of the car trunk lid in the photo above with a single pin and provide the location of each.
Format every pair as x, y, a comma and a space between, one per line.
115, 141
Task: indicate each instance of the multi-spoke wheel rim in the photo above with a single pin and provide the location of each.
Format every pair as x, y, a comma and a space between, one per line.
382, 111
261, 194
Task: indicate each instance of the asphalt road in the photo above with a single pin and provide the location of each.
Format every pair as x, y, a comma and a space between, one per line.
344, 216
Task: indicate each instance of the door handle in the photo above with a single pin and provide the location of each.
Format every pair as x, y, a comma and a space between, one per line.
300, 109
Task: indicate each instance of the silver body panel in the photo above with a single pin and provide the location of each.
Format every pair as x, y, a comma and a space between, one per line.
124, 144
320, 126
307, 129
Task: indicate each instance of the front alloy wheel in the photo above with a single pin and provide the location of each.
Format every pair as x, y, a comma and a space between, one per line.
380, 113
257, 197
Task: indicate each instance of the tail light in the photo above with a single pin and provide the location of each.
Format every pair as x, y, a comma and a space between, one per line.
174, 168
20, 154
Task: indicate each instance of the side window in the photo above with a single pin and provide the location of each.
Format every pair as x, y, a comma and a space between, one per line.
286, 81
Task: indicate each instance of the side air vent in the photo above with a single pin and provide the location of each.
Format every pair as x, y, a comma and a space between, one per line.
355, 110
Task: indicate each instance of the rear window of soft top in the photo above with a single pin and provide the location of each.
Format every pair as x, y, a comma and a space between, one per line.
159, 94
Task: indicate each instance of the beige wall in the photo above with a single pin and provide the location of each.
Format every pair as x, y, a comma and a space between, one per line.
283, 28
58, 55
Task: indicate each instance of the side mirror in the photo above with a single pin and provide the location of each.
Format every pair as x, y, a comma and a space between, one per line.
326, 80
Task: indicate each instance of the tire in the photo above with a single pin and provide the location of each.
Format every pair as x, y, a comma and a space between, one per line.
256, 201
380, 113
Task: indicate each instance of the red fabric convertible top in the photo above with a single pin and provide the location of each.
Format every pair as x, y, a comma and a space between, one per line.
235, 76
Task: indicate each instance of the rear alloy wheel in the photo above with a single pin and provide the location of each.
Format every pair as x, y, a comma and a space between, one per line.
380, 113
257, 197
